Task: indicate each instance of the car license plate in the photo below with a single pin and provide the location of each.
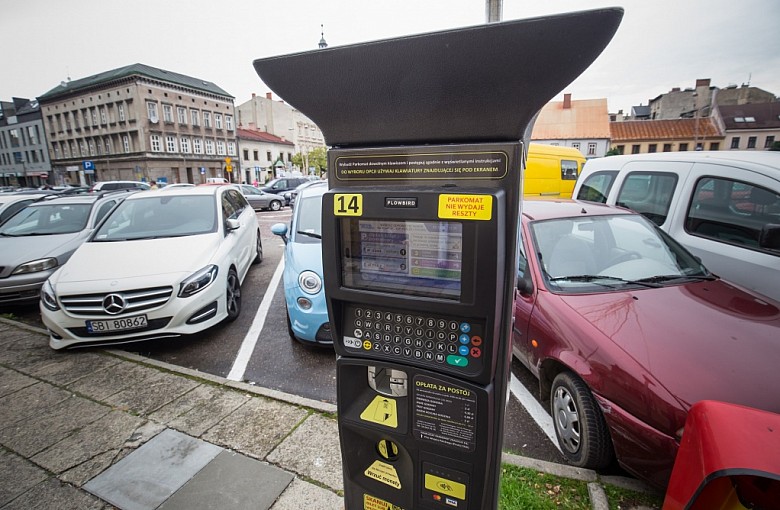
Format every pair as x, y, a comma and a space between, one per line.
117, 324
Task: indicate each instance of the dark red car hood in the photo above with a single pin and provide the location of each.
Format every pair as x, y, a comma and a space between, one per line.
704, 340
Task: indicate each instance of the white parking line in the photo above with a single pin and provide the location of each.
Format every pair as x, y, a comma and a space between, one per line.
534, 408
250, 340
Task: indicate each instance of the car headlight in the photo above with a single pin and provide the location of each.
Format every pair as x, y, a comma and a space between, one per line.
48, 297
310, 282
35, 266
198, 281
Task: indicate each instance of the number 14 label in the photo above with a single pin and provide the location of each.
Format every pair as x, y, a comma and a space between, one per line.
347, 204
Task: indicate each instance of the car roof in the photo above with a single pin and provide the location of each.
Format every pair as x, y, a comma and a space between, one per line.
313, 190
82, 198
548, 209
769, 159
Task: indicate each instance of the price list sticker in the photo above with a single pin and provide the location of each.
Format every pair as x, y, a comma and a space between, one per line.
444, 413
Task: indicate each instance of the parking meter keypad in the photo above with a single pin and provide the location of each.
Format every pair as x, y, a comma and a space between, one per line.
445, 342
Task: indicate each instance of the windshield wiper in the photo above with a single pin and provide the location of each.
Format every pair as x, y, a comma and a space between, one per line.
662, 278
309, 234
594, 278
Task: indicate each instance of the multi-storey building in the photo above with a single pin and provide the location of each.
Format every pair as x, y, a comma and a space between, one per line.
24, 160
139, 123
259, 152
282, 120
750, 126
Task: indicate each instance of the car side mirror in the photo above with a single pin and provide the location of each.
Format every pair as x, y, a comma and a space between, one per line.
524, 284
280, 229
232, 224
769, 238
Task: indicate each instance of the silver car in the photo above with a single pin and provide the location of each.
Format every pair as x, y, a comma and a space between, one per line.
261, 200
41, 237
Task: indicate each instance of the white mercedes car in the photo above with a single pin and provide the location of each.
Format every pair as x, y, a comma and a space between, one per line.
161, 265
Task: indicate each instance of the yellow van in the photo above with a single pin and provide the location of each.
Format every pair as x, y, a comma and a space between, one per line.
551, 170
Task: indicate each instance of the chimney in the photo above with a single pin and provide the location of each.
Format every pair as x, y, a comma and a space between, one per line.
705, 82
676, 89
253, 95
269, 95
567, 101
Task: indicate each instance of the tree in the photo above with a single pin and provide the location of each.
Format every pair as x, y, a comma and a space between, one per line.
318, 158
614, 151
775, 146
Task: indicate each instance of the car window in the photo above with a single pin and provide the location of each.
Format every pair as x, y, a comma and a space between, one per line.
103, 210
233, 203
110, 186
13, 208
48, 219
159, 216
732, 212
596, 186
308, 212
648, 193
568, 170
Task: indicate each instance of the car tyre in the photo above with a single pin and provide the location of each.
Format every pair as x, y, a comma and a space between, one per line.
579, 425
258, 250
233, 296
289, 324
275, 205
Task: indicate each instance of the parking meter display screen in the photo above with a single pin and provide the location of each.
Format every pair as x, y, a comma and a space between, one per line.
419, 258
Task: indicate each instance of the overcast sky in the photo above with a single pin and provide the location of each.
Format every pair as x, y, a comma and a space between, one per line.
660, 44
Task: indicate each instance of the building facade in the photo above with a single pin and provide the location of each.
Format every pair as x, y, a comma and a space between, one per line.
259, 152
139, 123
750, 126
281, 120
645, 136
581, 124
24, 158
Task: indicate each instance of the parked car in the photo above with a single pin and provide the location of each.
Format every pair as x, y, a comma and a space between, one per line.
161, 265
626, 330
290, 196
40, 238
280, 185
261, 200
724, 206
115, 185
307, 311
177, 185
11, 203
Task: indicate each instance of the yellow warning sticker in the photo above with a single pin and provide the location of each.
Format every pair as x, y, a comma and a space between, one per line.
385, 473
381, 410
444, 486
374, 503
466, 207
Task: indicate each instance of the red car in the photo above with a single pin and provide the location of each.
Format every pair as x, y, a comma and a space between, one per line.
626, 330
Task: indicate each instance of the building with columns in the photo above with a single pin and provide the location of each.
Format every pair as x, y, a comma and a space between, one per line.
139, 123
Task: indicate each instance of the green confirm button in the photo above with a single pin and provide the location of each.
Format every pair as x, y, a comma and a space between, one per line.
458, 361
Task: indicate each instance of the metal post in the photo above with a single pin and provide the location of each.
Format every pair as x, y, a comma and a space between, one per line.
493, 10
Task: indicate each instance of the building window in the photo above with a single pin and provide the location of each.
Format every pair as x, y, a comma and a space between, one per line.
209, 146
246, 154
185, 144
170, 144
94, 117
103, 116
683, 147
667, 147
231, 148
109, 147
195, 116
207, 120
576, 145
635, 149
168, 113
621, 149
752, 142
218, 120
182, 112
151, 109
197, 146
229, 122
268, 156
156, 144
221, 147
257, 155
714, 146
32, 134
652, 148
121, 109
85, 114
83, 148
56, 152
126, 143
735, 142
769, 142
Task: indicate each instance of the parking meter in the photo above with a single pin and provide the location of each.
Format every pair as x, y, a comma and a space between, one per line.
419, 236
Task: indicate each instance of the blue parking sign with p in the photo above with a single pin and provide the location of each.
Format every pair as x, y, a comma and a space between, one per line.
88, 165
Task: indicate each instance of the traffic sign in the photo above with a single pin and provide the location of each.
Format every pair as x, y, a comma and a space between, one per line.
88, 165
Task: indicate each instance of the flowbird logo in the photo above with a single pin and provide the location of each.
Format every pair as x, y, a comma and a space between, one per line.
114, 304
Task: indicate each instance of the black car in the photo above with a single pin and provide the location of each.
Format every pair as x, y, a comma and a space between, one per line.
282, 184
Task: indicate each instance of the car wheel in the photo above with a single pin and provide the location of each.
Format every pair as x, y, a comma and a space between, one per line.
275, 205
289, 324
258, 250
233, 296
579, 425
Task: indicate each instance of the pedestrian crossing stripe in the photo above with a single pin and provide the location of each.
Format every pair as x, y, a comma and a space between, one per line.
373, 503
385, 473
381, 410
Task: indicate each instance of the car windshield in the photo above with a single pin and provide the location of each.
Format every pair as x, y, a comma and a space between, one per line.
309, 211
47, 219
599, 253
159, 216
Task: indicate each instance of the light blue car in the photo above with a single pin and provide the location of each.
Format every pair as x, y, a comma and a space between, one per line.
307, 311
